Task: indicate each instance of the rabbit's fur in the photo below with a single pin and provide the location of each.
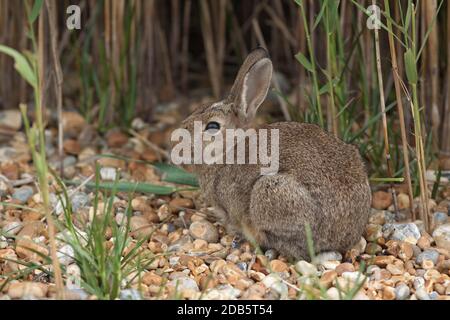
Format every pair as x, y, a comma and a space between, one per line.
321, 180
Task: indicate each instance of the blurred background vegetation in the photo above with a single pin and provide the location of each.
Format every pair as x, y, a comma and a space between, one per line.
138, 58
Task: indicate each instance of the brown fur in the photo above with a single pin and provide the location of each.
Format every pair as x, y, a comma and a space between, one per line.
321, 180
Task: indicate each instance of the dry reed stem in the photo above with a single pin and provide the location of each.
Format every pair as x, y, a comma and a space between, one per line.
262, 42
383, 111
398, 95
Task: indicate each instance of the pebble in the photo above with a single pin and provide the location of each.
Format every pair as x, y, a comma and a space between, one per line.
273, 281
327, 256
403, 201
184, 283
108, 173
428, 254
381, 200
306, 268
11, 119
223, 292
278, 266
327, 278
242, 265
439, 218
422, 294
73, 274
333, 294
130, 294
388, 293
271, 254
11, 228
373, 232
22, 194
19, 290
3, 242
408, 232
204, 230
441, 236
79, 200
402, 292
66, 254
344, 267
140, 227
28, 249
360, 247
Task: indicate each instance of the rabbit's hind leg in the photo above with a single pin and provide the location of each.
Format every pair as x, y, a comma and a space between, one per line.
280, 207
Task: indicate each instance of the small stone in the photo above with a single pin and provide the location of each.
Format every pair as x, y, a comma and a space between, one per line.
23, 194
27, 249
333, 294
71, 146
418, 282
130, 294
439, 218
422, 294
66, 254
406, 251
441, 236
408, 232
271, 254
224, 292
394, 269
273, 281
360, 247
381, 200
402, 292
344, 267
403, 201
377, 216
278, 266
373, 248
388, 293
306, 268
19, 290
183, 284
11, 228
108, 173
164, 212
116, 139
73, 123
11, 119
204, 230
373, 232
427, 264
3, 242
423, 243
178, 204
79, 200
327, 278
383, 261
73, 274
327, 256
200, 244
140, 228
242, 266
331, 265
428, 254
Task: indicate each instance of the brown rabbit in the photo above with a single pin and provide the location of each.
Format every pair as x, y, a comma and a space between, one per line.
321, 180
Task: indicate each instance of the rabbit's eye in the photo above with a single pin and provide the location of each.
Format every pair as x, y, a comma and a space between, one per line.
213, 126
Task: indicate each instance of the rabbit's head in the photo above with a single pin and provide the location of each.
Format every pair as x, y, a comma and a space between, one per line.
238, 109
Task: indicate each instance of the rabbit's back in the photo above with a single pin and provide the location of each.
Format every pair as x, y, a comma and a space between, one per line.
329, 176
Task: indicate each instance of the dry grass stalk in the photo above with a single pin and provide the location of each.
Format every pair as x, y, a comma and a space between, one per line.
387, 153
398, 95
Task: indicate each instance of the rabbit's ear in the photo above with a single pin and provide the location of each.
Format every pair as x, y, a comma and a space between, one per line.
252, 83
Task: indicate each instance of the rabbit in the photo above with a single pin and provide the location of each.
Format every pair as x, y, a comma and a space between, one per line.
321, 181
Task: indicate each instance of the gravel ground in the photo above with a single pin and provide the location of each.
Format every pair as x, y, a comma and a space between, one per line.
194, 256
